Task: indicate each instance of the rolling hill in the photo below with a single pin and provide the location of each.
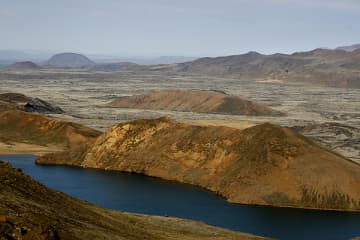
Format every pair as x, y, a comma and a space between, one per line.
69, 60
263, 165
194, 101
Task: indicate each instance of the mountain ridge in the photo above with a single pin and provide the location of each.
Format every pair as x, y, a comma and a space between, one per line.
263, 165
201, 101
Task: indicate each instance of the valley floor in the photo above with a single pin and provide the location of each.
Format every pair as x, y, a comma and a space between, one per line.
83, 94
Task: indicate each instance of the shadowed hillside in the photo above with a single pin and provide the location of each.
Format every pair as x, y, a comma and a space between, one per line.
28, 104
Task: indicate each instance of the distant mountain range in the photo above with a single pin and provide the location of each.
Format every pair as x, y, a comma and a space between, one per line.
8, 57
349, 48
337, 68
328, 67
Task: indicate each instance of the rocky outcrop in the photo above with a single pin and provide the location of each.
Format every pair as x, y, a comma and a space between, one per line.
194, 101
265, 164
13, 231
30, 210
29, 104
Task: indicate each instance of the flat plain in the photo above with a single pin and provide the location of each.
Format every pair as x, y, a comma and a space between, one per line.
83, 94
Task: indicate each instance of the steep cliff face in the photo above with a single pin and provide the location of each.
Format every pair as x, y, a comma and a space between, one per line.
194, 101
265, 164
30, 210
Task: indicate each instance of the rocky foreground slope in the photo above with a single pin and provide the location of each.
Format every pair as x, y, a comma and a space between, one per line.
265, 164
29, 211
194, 101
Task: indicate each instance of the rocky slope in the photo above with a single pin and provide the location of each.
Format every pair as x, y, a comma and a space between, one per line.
29, 211
338, 137
194, 101
265, 164
71, 60
22, 127
29, 104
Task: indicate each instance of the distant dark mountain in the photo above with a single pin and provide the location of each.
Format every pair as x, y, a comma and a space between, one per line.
71, 60
23, 66
336, 68
349, 48
108, 67
143, 60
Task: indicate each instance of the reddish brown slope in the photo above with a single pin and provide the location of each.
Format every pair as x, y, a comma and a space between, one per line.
194, 101
22, 127
265, 164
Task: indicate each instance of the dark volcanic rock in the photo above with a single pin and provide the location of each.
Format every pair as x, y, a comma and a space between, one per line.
29, 104
338, 137
38, 105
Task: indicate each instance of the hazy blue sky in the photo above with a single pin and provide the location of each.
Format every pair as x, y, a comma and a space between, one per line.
181, 27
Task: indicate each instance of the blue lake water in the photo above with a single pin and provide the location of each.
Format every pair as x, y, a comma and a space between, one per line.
141, 194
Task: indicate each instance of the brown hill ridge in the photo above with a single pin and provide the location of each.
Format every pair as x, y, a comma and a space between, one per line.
194, 101
31, 211
264, 164
35, 129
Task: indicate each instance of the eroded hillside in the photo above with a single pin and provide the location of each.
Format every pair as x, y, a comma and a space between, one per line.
265, 164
